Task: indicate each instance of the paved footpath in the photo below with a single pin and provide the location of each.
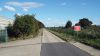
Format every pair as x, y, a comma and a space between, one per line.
29, 47
46, 44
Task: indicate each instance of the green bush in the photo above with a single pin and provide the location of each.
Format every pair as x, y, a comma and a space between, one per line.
24, 25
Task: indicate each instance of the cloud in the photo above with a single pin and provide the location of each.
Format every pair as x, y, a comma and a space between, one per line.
25, 5
25, 8
49, 19
10, 8
1, 9
51, 22
19, 14
96, 22
63, 4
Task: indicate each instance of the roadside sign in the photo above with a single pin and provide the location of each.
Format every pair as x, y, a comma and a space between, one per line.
77, 28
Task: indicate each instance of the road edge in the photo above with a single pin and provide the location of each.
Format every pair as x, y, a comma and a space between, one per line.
88, 49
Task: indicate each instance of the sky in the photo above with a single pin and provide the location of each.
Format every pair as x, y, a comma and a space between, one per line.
53, 12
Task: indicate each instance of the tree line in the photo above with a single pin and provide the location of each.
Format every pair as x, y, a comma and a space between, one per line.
84, 23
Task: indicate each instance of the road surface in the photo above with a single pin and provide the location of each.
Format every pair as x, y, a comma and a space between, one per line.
46, 44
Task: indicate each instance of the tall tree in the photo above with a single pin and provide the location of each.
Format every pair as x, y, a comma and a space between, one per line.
68, 24
77, 24
85, 22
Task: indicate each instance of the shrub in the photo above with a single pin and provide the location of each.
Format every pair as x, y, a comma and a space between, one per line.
24, 25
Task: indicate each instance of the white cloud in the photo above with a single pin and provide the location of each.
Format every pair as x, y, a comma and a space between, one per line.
49, 19
19, 14
14, 3
25, 5
1, 9
26, 9
96, 22
51, 22
63, 4
9, 8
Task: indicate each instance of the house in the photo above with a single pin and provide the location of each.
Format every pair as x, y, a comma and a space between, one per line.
4, 22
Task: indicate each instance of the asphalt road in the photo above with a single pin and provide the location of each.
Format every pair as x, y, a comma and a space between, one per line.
53, 46
46, 44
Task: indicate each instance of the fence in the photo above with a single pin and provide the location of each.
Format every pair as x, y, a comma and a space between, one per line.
3, 35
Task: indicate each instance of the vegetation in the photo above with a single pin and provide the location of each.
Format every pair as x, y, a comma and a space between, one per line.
24, 25
40, 24
89, 35
68, 24
85, 22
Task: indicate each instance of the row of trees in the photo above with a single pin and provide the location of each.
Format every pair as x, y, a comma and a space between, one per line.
24, 25
85, 22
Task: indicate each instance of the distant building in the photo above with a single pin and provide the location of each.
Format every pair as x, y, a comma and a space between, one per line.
4, 22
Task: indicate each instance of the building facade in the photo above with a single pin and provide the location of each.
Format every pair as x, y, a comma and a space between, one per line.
4, 22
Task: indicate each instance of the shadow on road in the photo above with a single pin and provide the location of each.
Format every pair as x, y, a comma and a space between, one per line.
61, 49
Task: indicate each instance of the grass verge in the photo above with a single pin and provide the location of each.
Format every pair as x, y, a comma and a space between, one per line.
95, 43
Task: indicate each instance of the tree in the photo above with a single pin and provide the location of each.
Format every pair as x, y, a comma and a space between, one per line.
85, 22
40, 24
10, 30
77, 24
25, 25
68, 24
